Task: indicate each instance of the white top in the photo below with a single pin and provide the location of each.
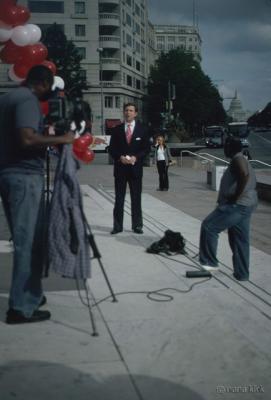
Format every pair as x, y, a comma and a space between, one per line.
160, 154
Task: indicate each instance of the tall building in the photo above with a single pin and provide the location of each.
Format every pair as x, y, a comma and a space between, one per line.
169, 37
111, 35
118, 45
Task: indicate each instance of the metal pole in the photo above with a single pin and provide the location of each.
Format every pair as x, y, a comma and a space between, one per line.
102, 96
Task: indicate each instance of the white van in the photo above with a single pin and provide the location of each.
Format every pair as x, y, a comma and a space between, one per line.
101, 143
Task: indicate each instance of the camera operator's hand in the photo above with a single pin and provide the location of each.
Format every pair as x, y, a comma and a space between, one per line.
68, 137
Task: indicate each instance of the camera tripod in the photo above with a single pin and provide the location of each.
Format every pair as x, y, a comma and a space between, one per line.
95, 251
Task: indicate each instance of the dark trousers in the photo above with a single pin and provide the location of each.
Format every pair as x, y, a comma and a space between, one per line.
135, 185
163, 174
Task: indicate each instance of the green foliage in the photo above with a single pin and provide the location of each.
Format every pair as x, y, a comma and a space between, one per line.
65, 55
197, 102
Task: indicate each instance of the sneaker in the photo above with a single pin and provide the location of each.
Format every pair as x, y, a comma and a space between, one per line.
209, 268
16, 317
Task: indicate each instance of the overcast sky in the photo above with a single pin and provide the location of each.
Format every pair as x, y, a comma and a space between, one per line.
236, 43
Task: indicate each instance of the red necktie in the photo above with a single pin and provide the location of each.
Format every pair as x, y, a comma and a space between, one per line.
129, 133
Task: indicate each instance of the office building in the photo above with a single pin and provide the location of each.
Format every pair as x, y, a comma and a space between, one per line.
118, 45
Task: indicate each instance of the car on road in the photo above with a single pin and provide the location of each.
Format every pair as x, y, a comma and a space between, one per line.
239, 130
214, 136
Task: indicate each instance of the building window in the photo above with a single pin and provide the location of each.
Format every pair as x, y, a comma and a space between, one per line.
108, 101
137, 10
138, 66
81, 51
80, 30
138, 84
128, 39
46, 6
117, 101
129, 60
129, 2
137, 47
79, 7
160, 46
129, 80
128, 20
171, 46
137, 28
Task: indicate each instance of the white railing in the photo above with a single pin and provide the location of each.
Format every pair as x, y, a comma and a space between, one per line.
111, 60
110, 38
260, 162
109, 16
200, 156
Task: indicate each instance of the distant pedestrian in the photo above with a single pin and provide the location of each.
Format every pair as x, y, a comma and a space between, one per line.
237, 200
162, 160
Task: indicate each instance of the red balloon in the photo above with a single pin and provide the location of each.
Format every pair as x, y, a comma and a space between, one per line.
34, 54
80, 144
11, 53
8, 13
50, 65
89, 138
21, 70
22, 16
77, 153
88, 156
12, 14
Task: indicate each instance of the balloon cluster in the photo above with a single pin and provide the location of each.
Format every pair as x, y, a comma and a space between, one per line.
22, 46
81, 148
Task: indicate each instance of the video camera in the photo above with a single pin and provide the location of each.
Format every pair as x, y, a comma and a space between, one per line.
59, 114
63, 111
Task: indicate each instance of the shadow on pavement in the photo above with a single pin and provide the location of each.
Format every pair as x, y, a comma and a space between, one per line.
33, 380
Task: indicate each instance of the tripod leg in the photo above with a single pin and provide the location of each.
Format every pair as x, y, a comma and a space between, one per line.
107, 281
92, 320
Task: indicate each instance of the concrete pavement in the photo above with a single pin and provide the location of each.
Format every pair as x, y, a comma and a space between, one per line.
209, 340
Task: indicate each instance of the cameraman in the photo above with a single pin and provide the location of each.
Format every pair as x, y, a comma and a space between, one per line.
22, 154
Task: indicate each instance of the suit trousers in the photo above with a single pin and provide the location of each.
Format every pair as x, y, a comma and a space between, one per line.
135, 186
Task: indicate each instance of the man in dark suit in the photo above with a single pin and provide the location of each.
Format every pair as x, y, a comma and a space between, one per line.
129, 145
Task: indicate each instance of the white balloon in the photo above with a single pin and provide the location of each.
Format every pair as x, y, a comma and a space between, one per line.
58, 83
13, 76
5, 34
35, 33
21, 36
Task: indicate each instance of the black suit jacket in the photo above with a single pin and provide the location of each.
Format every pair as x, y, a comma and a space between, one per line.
138, 147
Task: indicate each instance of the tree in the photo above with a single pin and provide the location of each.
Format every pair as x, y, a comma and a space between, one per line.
67, 59
197, 100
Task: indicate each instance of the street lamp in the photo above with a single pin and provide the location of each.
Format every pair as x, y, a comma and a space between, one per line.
100, 51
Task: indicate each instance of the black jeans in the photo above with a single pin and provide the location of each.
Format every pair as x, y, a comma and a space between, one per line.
163, 174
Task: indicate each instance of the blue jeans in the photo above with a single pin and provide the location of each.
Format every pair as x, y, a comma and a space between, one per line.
23, 201
236, 219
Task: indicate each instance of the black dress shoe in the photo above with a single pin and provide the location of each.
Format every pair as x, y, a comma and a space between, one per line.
115, 231
43, 301
138, 230
16, 317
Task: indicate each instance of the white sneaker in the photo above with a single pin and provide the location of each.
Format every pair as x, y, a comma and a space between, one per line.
209, 268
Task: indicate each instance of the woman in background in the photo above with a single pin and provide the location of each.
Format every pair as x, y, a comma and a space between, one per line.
162, 160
